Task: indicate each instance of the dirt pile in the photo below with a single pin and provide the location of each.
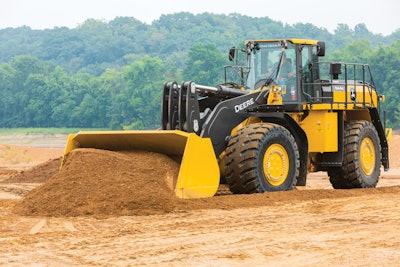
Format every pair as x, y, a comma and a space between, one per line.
37, 174
98, 182
105, 183
6, 173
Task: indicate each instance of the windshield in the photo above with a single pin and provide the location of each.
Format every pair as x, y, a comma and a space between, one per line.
270, 62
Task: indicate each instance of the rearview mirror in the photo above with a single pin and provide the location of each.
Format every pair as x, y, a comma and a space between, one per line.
232, 53
321, 49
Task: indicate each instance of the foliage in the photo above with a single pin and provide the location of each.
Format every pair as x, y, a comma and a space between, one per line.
110, 74
385, 62
204, 64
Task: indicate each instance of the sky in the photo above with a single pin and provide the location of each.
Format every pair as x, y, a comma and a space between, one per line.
380, 16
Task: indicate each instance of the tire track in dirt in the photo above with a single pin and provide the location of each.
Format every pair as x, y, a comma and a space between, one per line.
299, 228
352, 231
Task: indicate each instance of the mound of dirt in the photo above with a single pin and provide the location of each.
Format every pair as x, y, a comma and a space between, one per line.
103, 183
37, 174
6, 173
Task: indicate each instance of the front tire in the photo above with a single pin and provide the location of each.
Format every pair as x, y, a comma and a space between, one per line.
362, 158
262, 157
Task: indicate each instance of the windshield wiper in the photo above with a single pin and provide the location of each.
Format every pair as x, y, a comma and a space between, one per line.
274, 74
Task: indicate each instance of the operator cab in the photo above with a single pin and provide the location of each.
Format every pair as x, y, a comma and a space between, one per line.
290, 64
293, 65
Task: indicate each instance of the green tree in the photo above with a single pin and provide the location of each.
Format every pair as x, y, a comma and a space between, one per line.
37, 112
204, 64
356, 52
112, 85
144, 83
21, 82
65, 100
385, 63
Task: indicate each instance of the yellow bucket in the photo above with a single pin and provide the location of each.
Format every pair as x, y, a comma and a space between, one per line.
199, 172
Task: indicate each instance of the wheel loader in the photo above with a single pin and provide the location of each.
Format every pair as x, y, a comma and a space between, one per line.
281, 113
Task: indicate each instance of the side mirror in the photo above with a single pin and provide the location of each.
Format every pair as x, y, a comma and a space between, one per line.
232, 51
321, 49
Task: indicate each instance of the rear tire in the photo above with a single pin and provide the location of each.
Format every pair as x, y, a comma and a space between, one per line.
362, 158
262, 157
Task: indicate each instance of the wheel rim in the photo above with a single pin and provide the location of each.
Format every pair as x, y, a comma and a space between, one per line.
367, 156
276, 164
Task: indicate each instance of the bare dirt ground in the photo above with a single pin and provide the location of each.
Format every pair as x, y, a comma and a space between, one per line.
98, 211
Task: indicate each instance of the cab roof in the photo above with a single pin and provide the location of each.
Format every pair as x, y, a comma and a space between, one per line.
291, 40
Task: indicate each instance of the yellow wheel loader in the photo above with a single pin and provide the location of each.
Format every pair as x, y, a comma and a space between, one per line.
280, 114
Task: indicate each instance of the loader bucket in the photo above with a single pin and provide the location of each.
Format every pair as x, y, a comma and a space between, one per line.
199, 172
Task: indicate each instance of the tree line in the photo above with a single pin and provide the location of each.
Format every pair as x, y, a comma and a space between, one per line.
36, 93
111, 74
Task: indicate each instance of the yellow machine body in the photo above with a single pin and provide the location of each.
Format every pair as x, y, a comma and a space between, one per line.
199, 172
321, 128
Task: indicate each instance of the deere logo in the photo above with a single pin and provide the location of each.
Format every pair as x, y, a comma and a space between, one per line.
244, 105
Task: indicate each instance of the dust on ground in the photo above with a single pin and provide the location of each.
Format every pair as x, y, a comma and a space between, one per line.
93, 214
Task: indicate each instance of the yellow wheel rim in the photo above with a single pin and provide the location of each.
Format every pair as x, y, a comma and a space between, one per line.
276, 164
367, 156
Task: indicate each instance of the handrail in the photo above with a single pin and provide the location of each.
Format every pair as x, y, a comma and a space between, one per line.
355, 76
